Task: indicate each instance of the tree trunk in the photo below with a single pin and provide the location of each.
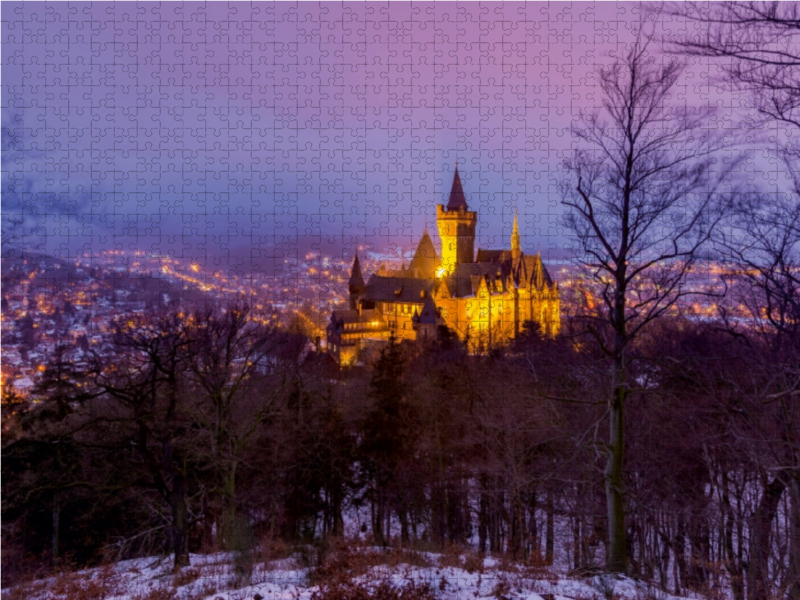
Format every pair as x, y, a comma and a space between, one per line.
534, 547
403, 516
377, 519
387, 536
495, 522
56, 528
229, 508
549, 544
336, 509
576, 542
617, 559
517, 520
758, 581
680, 555
663, 568
699, 542
733, 562
793, 573
180, 523
466, 516
451, 509
483, 525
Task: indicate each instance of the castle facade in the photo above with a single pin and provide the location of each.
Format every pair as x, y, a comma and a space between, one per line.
485, 299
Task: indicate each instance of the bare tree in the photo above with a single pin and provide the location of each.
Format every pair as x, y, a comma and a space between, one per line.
758, 44
640, 207
762, 246
236, 374
142, 392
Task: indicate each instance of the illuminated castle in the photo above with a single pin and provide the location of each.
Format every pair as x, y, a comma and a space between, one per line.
485, 299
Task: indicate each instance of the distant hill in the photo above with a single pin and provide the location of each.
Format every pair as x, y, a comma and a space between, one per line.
268, 259
16, 266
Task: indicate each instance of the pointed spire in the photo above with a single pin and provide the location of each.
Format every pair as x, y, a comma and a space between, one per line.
425, 260
516, 250
457, 199
356, 285
356, 278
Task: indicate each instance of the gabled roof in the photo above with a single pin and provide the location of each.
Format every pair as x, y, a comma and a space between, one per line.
428, 315
457, 199
493, 256
466, 277
533, 271
397, 289
501, 274
352, 316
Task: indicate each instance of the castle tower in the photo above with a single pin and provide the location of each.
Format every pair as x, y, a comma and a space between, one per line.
456, 225
516, 250
356, 285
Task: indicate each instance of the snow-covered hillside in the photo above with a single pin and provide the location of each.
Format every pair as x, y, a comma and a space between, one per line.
345, 574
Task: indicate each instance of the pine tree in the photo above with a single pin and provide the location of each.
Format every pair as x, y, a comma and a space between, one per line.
387, 439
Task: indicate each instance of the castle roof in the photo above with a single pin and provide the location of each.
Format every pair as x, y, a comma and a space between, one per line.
465, 279
493, 256
343, 315
501, 273
428, 315
532, 270
457, 199
398, 289
356, 279
425, 261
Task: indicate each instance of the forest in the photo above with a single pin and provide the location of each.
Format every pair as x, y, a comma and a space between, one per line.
208, 433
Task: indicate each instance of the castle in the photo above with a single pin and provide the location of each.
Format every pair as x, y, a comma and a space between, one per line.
485, 299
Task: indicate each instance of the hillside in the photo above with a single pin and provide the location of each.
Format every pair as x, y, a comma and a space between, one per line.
345, 573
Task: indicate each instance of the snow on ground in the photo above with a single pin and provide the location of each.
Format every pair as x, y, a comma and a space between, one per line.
214, 577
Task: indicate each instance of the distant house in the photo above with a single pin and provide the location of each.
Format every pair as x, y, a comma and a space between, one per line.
23, 385
77, 331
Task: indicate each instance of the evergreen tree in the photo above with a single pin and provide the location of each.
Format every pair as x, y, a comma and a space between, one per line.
387, 439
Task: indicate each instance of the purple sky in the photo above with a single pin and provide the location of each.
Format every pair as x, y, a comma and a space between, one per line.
200, 127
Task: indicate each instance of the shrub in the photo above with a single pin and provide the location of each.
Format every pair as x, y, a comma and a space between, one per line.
384, 591
185, 577
158, 593
77, 586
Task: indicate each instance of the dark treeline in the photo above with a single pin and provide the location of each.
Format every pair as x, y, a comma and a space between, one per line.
210, 431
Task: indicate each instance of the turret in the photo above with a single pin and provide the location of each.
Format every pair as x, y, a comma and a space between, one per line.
425, 323
356, 285
516, 250
456, 225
